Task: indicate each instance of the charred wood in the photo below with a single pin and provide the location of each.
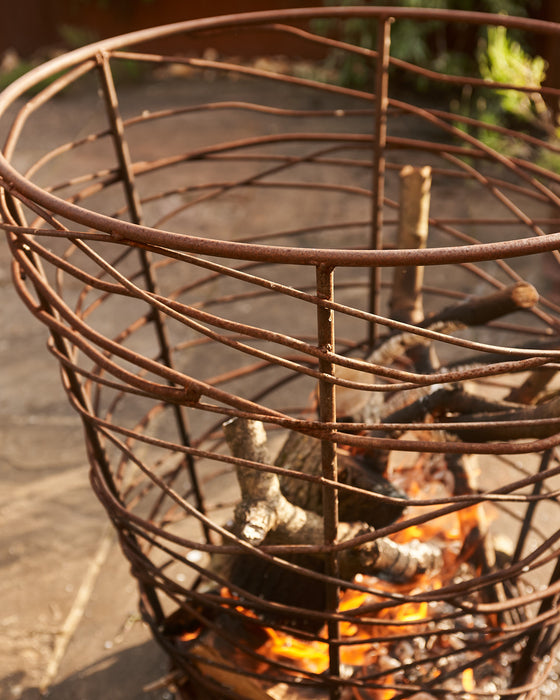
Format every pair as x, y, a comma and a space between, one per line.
302, 453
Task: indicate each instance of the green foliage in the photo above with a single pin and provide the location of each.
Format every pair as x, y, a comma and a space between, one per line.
7, 77
75, 36
425, 43
503, 60
493, 53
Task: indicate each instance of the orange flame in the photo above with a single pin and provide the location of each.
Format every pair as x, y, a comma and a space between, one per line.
468, 682
311, 655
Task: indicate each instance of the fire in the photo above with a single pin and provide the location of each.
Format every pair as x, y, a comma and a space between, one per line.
451, 531
468, 679
312, 656
407, 620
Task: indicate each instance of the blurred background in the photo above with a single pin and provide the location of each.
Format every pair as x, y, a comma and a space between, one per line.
33, 30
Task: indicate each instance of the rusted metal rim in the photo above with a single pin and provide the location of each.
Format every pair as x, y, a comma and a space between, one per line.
84, 58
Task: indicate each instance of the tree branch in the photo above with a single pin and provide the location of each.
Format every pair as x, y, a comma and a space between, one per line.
265, 515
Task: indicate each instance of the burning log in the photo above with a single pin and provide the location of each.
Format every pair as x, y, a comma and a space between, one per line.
265, 514
302, 454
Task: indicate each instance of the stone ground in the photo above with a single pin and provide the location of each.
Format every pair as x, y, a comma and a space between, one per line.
60, 566
68, 620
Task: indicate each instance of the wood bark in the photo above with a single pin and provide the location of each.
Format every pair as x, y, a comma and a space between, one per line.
265, 515
263, 508
475, 311
543, 421
302, 454
536, 382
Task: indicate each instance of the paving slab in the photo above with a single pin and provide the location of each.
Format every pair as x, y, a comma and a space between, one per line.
68, 619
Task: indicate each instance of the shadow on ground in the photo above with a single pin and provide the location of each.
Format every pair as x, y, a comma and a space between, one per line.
120, 676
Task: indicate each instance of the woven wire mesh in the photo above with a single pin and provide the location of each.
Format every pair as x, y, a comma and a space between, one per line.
245, 271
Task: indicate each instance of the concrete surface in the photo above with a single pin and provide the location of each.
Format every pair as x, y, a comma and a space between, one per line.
60, 566
59, 563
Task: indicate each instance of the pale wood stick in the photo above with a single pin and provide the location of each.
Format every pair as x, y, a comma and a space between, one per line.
414, 207
406, 295
263, 508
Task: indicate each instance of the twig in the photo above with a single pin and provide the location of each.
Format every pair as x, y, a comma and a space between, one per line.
77, 610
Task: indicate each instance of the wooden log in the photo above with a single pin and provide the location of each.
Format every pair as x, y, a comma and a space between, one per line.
284, 522
399, 561
432, 401
477, 311
500, 426
215, 672
533, 385
263, 508
414, 207
302, 454
542, 420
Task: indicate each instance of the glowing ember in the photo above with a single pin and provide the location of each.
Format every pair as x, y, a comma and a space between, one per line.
468, 679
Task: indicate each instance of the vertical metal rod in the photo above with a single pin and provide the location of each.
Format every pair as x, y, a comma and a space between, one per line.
135, 209
379, 145
526, 664
528, 519
327, 413
535, 639
121, 146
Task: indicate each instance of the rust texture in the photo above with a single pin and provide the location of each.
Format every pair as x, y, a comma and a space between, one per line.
179, 295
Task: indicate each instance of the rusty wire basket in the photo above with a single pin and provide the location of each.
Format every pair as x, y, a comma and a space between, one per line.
331, 455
